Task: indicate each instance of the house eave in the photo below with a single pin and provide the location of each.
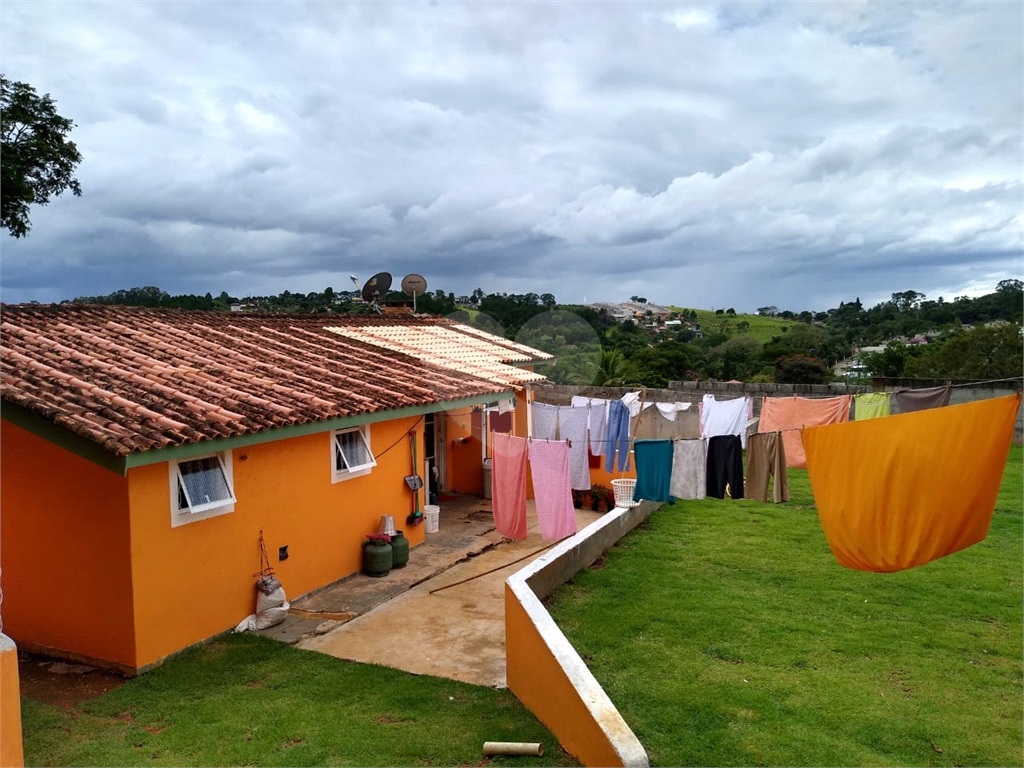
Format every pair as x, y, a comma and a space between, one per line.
95, 453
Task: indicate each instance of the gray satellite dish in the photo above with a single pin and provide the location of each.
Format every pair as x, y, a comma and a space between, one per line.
414, 285
375, 288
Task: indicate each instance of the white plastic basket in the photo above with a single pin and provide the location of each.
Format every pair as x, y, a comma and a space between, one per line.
624, 492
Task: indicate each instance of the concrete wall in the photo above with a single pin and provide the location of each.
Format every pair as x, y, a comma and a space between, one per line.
543, 669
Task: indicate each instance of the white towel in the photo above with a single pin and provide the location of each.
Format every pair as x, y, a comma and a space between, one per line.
545, 421
689, 469
597, 421
572, 426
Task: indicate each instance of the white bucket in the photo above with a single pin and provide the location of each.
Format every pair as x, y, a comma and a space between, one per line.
432, 513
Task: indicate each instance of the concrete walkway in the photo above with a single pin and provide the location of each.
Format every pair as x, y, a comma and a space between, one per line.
457, 633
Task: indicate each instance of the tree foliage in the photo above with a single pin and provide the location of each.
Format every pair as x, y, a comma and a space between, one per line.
37, 160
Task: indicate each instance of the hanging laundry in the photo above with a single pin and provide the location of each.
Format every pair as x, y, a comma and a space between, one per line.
632, 401
766, 457
549, 467
617, 439
900, 492
653, 470
597, 422
725, 466
500, 422
572, 426
725, 417
689, 469
508, 485
669, 410
909, 400
652, 424
506, 405
545, 421
870, 405
791, 414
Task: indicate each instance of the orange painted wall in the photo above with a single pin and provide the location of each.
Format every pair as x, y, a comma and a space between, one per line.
11, 751
539, 681
64, 550
197, 580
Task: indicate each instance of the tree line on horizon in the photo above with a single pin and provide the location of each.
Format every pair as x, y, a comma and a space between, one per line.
652, 354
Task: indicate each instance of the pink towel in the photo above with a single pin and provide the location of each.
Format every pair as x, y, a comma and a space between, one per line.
549, 465
508, 485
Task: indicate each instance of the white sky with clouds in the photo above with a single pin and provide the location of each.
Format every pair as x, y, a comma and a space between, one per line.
704, 155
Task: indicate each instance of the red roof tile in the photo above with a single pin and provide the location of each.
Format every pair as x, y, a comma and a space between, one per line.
134, 379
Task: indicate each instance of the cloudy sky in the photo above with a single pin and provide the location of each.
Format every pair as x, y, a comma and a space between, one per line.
729, 155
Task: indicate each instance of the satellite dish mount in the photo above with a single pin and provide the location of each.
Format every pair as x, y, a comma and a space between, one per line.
414, 285
375, 289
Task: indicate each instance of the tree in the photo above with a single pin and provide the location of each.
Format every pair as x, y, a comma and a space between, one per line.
38, 160
800, 369
768, 311
611, 370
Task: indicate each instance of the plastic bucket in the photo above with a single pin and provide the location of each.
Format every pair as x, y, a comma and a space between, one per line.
624, 492
432, 516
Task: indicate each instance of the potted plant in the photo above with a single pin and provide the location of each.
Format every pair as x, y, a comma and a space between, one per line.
600, 496
580, 499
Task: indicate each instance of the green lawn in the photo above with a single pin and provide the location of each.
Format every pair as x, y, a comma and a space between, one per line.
760, 328
726, 634
246, 700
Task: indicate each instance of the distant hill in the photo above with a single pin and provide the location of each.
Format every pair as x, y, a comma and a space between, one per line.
762, 329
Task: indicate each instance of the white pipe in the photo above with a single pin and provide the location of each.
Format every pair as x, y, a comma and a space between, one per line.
513, 748
529, 411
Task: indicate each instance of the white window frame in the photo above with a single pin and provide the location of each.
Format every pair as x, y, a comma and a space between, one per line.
180, 516
340, 475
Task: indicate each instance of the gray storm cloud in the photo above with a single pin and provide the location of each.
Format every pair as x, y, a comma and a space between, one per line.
704, 155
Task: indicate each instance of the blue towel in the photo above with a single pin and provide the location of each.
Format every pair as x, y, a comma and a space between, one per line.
653, 470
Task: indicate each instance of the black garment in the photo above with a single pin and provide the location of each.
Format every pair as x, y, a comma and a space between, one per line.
725, 465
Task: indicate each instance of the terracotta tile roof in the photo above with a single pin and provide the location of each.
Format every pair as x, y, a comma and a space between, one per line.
134, 379
448, 347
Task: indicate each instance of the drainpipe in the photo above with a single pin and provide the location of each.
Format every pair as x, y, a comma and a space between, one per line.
529, 411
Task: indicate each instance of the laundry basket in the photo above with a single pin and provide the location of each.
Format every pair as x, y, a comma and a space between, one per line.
624, 492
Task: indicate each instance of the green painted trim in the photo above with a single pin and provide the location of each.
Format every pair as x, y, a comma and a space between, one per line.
64, 438
179, 452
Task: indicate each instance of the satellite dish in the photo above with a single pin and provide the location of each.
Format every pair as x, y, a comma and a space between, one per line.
414, 285
375, 288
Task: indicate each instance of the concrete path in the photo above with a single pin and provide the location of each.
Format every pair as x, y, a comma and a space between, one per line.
458, 633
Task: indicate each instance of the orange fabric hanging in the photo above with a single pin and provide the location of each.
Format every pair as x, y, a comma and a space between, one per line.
790, 414
899, 492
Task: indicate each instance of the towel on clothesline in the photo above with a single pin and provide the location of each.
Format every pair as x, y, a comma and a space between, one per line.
791, 414
545, 421
549, 467
909, 400
689, 469
653, 470
900, 492
871, 405
508, 485
597, 422
572, 426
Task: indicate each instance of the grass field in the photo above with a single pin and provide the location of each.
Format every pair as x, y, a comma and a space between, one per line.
726, 634
246, 700
760, 328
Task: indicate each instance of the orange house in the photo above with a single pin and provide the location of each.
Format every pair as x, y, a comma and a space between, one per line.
145, 453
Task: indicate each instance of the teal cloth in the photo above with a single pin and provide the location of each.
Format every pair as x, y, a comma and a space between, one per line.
653, 470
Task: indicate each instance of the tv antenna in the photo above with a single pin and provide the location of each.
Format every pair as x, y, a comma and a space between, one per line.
414, 285
375, 289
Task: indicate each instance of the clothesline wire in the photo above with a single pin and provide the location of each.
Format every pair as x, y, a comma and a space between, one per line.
404, 435
990, 381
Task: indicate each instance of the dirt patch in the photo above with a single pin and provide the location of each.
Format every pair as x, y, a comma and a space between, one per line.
292, 743
598, 564
61, 688
158, 727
